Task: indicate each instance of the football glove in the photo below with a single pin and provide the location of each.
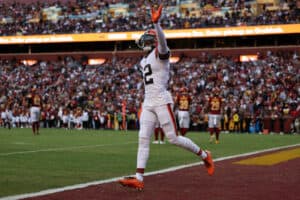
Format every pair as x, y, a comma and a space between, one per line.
155, 14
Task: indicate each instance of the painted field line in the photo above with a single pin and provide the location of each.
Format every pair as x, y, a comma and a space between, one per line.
22, 143
84, 185
63, 148
271, 158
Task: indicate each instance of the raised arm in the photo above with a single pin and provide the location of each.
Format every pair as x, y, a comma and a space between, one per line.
161, 39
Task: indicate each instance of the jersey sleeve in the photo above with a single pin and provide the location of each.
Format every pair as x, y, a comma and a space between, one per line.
163, 49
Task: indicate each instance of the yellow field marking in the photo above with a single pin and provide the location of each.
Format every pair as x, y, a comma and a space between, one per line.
271, 159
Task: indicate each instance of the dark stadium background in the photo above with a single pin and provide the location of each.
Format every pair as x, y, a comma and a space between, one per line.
231, 46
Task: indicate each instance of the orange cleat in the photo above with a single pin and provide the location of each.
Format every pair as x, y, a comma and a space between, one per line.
209, 163
132, 182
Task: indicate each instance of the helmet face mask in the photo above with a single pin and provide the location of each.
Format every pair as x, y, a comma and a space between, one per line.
147, 41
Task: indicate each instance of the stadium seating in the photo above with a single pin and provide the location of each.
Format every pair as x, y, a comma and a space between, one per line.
265, 92
49, 17
257, 89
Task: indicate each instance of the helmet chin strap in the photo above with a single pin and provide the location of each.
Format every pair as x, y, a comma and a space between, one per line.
147, 48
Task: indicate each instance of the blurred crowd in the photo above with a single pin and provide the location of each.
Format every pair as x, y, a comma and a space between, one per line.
102, 96
84, 16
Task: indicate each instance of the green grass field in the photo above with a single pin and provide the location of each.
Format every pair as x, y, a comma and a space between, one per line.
60, 157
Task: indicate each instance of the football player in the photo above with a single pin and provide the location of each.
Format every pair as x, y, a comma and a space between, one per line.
35, 111
183, 101
214, 116
158, 103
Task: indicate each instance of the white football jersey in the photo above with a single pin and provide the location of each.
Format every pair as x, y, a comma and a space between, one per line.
156, 74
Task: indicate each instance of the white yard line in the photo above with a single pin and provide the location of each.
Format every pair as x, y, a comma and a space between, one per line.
84, 185
22, 143
62, 149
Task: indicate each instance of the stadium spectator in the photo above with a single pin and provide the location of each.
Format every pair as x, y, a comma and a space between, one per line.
57, 17
265, 85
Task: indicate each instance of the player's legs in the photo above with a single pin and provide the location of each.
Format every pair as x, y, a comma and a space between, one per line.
38, 114
8, 122
33, 118
180, 122
147, 125
156, 133
167, 120
217, 128
37, 125
211, 127
162, 136
35, 113
65, 121
159, 136
185, 122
